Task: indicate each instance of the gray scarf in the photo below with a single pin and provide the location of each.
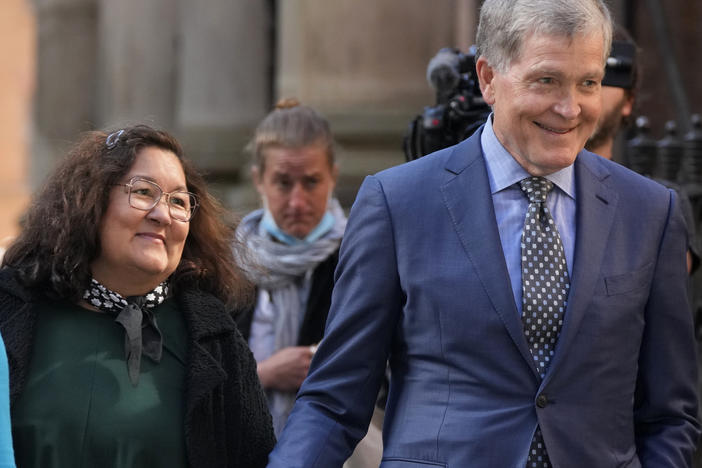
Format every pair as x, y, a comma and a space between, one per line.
280, 270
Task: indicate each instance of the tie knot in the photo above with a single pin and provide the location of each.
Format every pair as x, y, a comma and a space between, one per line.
536, 188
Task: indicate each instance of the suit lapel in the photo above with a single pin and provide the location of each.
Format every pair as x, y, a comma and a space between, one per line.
467, 196
596, 205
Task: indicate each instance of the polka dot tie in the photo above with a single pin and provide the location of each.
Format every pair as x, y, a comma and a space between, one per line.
545, 285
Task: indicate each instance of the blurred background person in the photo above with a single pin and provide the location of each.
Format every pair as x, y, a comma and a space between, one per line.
618, 95
294, 239
619, 89
115, 305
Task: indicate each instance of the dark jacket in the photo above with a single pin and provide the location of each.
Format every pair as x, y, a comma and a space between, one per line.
318, 302
227, 423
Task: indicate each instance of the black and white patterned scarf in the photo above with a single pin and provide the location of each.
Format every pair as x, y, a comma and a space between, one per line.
134, 313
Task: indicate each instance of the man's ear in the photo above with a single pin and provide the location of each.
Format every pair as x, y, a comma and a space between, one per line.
628, 106
486, 75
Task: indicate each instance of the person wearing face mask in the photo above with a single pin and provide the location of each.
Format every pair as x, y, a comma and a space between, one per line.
294, 242
116, 303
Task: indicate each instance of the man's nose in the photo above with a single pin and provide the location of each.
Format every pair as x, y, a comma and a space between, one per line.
568, 104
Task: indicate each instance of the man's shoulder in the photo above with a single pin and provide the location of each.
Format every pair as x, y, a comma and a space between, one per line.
618, 176
633, 194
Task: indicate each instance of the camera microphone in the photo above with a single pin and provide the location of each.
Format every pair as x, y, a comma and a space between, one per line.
459, 110
443, 70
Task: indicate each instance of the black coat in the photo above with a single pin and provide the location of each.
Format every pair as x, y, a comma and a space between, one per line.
318, 303
227, 423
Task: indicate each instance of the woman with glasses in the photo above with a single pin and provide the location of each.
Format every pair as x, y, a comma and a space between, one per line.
115, 306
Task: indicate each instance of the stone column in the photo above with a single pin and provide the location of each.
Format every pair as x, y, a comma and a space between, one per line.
363, 64
365, 56
137, 62
224, 87
18, 49
65, 90
466, 23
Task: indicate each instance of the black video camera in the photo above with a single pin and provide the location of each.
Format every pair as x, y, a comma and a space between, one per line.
459, 110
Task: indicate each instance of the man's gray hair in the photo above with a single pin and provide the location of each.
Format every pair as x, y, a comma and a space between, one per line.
505, 24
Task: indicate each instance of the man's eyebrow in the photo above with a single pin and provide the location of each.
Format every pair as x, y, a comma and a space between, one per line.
544, 70
549, 71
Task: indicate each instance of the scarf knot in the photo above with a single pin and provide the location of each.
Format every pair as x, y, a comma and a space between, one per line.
135, 315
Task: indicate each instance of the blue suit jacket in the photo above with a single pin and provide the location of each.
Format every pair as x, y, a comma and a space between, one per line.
422, 281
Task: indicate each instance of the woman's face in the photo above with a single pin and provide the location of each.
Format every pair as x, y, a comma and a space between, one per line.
140, 249
296, 184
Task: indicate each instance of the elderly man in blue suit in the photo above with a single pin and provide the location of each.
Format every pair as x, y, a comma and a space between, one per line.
529, 295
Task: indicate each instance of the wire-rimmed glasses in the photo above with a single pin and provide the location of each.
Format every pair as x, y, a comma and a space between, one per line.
145, 195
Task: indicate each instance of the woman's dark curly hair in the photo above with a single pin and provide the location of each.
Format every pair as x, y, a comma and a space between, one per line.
60, 235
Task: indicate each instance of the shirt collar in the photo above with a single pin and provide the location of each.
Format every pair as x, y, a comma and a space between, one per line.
504, 171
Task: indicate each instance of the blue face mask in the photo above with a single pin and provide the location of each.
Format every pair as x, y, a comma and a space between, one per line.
269, 226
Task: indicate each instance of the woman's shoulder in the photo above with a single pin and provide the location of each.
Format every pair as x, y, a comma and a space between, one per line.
11, 288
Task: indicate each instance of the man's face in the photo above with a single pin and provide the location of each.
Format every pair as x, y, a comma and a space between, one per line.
547, 102
617, 103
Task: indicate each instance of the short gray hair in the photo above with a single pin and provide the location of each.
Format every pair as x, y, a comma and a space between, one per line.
505, 24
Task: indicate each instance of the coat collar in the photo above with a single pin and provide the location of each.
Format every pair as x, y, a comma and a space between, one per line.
206, 315
596, 207
466, 194
207, 319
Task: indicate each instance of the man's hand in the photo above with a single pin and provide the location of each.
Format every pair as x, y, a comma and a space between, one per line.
286, 369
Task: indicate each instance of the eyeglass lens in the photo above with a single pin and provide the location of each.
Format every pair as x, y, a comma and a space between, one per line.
144, 195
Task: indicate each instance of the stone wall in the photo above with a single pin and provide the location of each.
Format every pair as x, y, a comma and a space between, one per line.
363, 64
17, 79
679, 47
210, 70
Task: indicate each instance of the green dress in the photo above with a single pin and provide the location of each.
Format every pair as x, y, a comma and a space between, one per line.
78, 407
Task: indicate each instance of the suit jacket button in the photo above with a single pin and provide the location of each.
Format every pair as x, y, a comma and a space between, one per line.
541, 401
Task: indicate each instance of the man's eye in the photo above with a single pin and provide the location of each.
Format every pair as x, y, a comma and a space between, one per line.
546, 80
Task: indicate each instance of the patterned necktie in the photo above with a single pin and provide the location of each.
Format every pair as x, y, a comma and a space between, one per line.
545, 285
